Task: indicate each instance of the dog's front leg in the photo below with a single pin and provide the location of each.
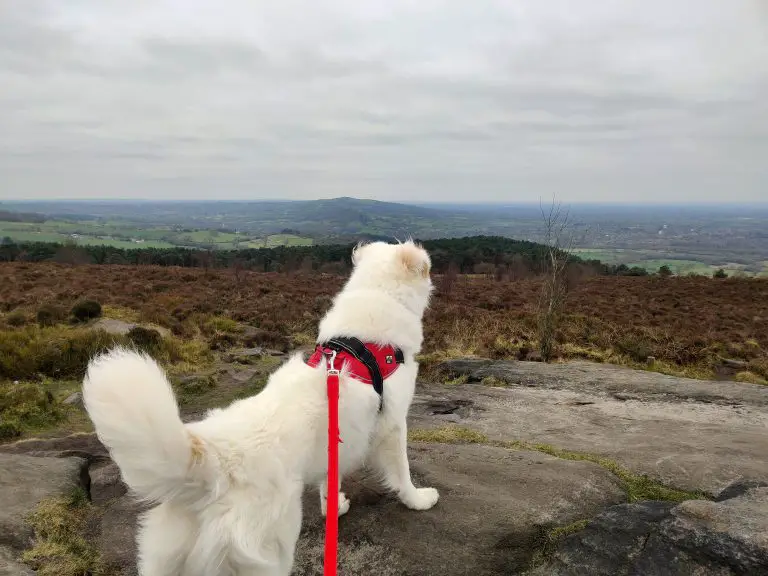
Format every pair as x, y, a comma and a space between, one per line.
390, 458
343, 500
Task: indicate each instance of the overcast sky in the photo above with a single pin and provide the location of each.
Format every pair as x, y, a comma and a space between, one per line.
597, 100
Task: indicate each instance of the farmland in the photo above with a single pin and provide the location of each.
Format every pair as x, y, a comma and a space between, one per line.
124, 235
687, 239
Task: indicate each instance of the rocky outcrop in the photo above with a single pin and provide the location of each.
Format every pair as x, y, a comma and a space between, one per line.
722, 538
507, 510
605, 379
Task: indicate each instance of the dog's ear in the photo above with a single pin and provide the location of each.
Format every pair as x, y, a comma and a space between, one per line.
414, 259
357, 252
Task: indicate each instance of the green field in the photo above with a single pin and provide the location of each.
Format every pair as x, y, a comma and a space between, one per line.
120, 235
607, 256
680, 267
64, 232
652, 261
276, 240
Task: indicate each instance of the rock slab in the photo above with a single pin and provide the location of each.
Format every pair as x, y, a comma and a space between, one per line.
24, 482
690, 434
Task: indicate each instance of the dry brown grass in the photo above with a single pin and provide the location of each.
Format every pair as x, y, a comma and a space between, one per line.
686, 324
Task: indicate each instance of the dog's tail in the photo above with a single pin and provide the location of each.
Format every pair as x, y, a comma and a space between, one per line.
132, 406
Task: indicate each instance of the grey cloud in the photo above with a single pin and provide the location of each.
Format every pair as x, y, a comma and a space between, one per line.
188, 57
490, 101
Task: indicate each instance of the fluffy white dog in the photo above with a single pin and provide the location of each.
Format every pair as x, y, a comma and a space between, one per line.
229, 487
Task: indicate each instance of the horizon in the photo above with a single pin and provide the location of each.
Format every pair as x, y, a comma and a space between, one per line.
414, 203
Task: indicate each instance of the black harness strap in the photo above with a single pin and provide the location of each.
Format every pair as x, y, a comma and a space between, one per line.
357, 349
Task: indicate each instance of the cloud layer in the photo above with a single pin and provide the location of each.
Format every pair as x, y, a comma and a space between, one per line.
430, 100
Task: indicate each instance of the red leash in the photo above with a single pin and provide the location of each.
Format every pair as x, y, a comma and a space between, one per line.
332, 509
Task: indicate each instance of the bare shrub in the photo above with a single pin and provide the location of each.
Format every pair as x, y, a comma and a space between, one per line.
448, 280
558, 242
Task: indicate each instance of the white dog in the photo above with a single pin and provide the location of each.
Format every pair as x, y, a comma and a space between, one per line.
229, 487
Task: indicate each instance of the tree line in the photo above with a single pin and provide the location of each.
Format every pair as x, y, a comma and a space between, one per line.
487, 255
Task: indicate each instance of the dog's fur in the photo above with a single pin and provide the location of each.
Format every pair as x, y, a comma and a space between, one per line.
229, 487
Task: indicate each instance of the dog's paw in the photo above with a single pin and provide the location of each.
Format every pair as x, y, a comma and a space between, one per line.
343, 505
422, 499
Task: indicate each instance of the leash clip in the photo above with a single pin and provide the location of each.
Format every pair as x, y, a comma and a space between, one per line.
332, 371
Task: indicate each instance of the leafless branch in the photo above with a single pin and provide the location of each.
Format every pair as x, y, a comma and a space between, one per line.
558, 240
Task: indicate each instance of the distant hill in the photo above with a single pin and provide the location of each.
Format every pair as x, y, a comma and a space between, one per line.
9, 216
690, 238
333, 220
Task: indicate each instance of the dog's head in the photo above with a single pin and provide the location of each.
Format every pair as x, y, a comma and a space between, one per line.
402, 270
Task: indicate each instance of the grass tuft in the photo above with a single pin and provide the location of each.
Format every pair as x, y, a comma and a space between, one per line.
213, 324
63, 352
750, 378
61, 547
120, 313
549, 539
458, 381
26, 406
493, 382
448, 435
638, 487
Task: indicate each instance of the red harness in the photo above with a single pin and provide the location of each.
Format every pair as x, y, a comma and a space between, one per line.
386, 358
368, 363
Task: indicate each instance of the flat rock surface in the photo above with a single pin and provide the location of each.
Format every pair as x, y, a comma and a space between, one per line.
121, 327
24, 482
606, 378
9, 566
690, 434
493, 505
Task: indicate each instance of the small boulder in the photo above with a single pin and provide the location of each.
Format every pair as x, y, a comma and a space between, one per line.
106, 483
75, 399
24, 482
113, 326
735, 364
